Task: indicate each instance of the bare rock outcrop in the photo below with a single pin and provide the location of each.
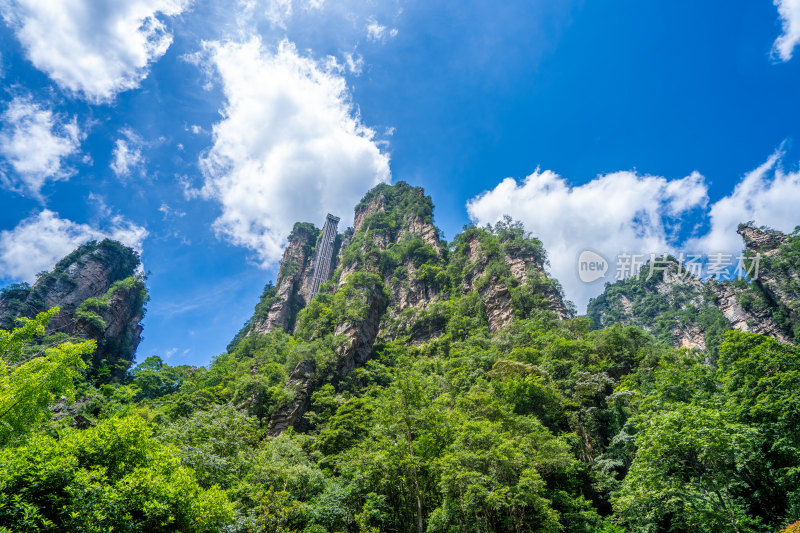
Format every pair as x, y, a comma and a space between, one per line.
293, 290
496, 295
101, 296
778, 273
727, 298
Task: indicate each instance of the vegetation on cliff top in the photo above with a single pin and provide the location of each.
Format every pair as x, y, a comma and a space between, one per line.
119, 264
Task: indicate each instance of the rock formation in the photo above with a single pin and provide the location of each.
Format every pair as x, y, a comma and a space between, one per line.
100, 295
392, 269
293, 289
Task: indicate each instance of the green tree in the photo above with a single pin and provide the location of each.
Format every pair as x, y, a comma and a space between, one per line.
760, 378
691, 472
112, 477
29, 379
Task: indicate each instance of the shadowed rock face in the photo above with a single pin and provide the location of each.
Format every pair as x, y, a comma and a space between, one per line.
90, 272
294, 281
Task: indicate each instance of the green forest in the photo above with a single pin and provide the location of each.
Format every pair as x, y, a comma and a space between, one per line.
548, 423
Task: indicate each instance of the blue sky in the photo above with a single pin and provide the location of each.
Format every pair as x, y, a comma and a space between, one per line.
199, 131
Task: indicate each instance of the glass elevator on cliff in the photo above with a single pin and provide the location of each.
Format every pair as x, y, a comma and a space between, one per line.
323, 255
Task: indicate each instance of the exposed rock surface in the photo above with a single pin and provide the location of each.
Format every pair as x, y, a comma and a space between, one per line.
779, 268
300, 384
366, 210
689, 336
758, 321
414, 292
122, 334
294, 281
496, 295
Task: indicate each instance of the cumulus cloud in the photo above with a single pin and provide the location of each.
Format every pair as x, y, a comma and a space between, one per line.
127, 154
767, 195
379, 32
96, 49
39, 241
789, 11
290, 145
611, 214
34, 142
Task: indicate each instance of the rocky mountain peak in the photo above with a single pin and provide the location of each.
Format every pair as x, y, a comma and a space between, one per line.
101, 294
393, 278
760, 239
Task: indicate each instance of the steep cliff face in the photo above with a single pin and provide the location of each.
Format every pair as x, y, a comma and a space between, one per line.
778, 271
100, 294
523, 267
293, 289
355, 335
114, 321
395, 279
728, 298
690, 313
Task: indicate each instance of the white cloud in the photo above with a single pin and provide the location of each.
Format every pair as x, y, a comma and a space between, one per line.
789, 11
613, 213
33, 144
379, 32
625, 212
278, 13
38, 242
766, 195
127, 154
94, 48
290, 146
169, 212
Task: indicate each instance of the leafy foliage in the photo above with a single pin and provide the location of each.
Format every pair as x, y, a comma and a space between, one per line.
110, 477
28, 383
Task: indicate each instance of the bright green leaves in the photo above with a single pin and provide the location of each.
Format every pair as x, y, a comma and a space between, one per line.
29, 383
760, 377
491, 479
691, 472
110, 477
350, 303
